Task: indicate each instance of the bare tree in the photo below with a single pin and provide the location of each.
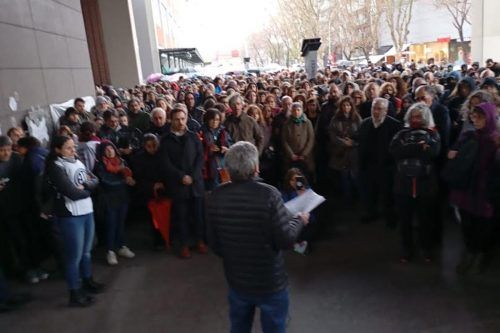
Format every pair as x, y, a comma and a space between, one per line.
257, 49
356, 26
459, 10
351, 25
398, 16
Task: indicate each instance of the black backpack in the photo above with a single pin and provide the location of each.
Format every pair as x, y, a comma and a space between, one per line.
414, 167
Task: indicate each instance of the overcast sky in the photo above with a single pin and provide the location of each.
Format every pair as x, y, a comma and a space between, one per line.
222, 25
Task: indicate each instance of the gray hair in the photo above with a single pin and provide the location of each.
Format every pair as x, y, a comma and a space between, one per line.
418, 82
286, 97
158, 110
233, 98
429, 90
297, 105
242, 160
179, 107
424, 110
379, 100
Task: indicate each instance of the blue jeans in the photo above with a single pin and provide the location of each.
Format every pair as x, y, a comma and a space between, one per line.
273, 311
115, 226
77, 233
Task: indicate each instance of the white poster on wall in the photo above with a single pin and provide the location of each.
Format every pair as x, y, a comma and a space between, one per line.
57, 110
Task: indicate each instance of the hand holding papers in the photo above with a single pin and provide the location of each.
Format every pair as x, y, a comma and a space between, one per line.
304, 203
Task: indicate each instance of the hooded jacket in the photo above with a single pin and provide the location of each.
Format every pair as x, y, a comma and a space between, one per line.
455, 102
114, 190
475, 200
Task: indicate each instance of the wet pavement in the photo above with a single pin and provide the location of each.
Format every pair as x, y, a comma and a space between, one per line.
351, 282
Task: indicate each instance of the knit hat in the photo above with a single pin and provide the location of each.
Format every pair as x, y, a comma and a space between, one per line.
100, 100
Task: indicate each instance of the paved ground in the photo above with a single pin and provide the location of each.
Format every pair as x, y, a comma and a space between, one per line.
352, 282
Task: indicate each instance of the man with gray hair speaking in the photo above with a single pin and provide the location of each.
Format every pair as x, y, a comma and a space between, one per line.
249, 226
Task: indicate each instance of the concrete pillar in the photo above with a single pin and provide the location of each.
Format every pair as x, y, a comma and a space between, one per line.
144, 25
44, 57
485, 30
120, 41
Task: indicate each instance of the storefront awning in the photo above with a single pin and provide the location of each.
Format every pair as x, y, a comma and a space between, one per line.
190, 55
392, 50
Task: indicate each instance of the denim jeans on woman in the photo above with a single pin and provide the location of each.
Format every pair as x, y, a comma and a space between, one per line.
77, 235
273, 311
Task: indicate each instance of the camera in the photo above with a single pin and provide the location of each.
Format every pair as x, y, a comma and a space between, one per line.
299, 183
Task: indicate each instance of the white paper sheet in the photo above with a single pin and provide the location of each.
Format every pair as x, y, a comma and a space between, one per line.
304, 203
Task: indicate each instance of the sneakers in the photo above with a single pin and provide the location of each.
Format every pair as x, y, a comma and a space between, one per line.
111, 258
202, 247
122, 252
126, 253
185, 254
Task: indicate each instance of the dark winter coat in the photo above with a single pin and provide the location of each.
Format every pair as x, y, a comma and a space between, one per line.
140, 120
249, 233
244, 128
113, 189
442, 120
10, 196
180, 156
374, 143
476, 199
415, 167
31, 178
159, 131
147, 170
328, 110
213, 160
343, 157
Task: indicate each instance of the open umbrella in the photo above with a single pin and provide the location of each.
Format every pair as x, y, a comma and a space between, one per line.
155, 77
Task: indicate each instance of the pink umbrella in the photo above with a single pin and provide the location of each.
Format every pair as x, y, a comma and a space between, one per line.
155, 77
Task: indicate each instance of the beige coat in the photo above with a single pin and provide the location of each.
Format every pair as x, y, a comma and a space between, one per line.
298, 139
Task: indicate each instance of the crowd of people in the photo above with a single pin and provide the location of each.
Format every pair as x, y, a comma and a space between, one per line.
403, 142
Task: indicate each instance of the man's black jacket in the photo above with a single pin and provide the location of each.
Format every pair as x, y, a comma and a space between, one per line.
249, 226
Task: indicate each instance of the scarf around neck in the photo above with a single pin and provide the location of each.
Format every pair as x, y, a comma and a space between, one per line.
115, 165
299, 120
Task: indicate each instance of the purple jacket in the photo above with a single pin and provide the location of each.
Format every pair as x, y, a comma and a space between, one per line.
474, 200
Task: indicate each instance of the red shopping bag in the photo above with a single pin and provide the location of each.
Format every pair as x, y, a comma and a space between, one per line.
160, 213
